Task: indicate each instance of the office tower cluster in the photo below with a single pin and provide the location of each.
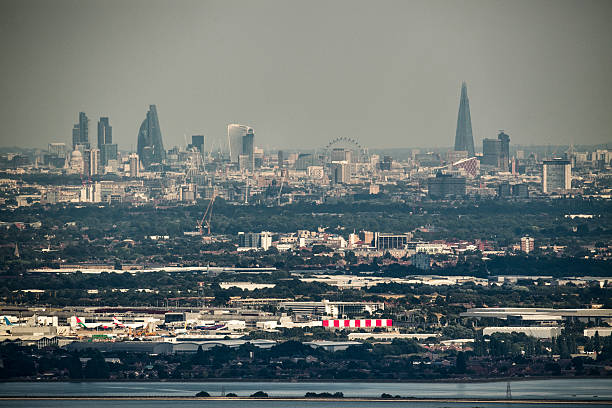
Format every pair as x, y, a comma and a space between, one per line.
496, 152
237, 170
464, 161
93, 158
89, 159
495, 160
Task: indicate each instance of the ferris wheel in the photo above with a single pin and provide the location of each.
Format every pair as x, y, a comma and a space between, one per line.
343, 144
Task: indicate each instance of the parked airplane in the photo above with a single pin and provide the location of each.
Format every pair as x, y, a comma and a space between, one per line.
81, 323
210, 327
119, 323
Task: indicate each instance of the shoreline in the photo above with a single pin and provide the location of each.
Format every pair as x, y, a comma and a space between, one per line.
314, 381
348, 399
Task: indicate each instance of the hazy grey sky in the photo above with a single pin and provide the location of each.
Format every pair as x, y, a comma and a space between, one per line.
387, 73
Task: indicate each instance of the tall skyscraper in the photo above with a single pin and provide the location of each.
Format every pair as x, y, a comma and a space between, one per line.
248, 143
341, 173
235, 135
108, 152
197, 141
105, 132
464, 140
248, 148
134, 165
80, 132
150, 145
504, 159
491, 152
76, 136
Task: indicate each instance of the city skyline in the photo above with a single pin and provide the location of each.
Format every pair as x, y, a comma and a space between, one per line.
299, 203
529, 73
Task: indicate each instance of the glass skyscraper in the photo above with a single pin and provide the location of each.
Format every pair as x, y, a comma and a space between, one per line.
150, 145
235, 135
80, 132
464, 140
105, 132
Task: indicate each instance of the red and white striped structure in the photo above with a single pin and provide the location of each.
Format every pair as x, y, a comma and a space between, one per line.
360, 323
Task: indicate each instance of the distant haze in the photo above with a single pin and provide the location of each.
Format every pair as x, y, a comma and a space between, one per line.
387, 73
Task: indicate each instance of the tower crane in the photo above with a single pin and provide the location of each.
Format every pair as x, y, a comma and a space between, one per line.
280, 190
206, 218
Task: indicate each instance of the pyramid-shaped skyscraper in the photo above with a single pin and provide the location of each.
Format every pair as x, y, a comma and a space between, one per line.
464, 140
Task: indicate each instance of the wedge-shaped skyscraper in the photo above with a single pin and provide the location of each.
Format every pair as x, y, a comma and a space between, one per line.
464, 140
150, 145
235, 135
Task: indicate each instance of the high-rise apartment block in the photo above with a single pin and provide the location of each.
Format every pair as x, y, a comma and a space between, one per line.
92, 162
556, 175
257, 240
527, 244
341, 173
